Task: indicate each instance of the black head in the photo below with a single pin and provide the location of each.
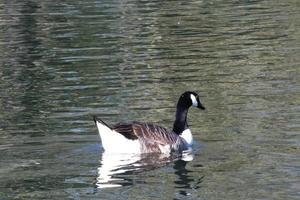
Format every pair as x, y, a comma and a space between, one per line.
189, 99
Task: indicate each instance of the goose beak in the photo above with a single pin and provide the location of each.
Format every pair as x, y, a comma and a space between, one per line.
200, 106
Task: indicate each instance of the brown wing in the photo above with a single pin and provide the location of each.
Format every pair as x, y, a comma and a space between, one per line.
153, 137
146, 132
126, 129
154, 133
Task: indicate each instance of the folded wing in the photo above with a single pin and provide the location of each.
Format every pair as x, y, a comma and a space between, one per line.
152, 137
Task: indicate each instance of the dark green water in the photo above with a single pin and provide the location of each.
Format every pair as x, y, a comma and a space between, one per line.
63, 61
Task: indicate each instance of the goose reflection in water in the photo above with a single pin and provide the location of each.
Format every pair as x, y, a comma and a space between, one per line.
185, 181
115, 167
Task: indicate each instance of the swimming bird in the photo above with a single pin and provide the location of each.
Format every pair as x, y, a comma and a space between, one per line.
141, 137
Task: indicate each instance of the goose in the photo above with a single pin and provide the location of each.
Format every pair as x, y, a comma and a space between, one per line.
140, 137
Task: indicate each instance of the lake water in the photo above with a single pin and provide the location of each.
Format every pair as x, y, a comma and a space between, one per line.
61, 62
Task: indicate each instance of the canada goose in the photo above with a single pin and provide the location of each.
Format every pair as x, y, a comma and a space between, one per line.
141, 137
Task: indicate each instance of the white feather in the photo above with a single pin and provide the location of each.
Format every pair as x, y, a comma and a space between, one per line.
194, 100
115, 142
187, 136
165, 149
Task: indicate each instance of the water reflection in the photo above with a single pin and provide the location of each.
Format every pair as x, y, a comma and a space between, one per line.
185, 181
113, 165
115, 168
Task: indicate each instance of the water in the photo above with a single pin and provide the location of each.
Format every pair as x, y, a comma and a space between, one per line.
63, 61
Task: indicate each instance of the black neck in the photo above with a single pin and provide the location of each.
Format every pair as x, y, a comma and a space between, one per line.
180, 123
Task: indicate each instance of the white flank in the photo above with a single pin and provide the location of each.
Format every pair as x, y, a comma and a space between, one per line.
187, 136
194, 100
165, 149
114, 142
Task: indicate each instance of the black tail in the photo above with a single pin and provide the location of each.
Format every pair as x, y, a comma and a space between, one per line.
97, 119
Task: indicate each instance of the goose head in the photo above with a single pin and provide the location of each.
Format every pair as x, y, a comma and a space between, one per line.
188, 99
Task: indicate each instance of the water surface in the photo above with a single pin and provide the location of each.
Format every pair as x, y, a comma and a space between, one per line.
63, 61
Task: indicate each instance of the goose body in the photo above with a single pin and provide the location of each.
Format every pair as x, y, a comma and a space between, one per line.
141, 137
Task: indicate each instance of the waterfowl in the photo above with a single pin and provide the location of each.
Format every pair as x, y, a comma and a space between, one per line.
141, 137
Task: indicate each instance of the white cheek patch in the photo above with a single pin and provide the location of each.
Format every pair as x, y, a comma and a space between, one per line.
194, 100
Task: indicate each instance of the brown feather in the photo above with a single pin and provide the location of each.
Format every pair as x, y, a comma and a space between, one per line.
150, 135
126, 129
